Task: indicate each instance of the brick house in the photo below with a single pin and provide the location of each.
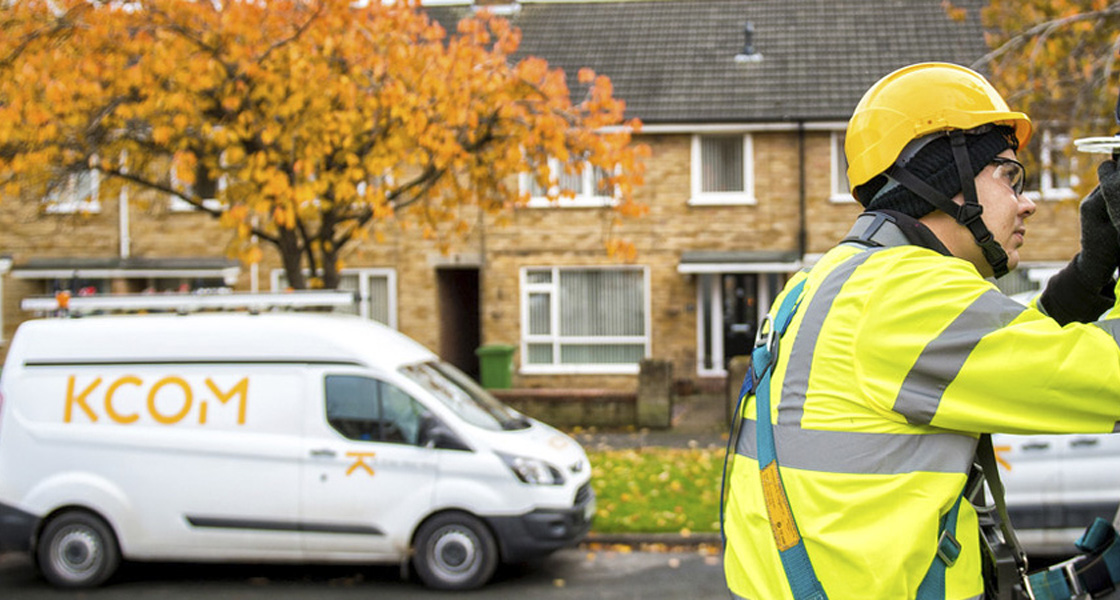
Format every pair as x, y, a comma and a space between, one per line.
744, 104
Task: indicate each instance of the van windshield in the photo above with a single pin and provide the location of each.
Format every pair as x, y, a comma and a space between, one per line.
461, 394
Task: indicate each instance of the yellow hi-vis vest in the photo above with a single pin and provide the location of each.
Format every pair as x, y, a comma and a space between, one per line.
896, 360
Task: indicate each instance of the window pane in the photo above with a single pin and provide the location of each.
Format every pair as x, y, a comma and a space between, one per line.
84, 186
379, 299
540, 354
540, 311
350, 284
401, 416
603, 303
601, 354
721, 160
572, 181
352, 406
538, 276
535, 189
1061, 162
599, 186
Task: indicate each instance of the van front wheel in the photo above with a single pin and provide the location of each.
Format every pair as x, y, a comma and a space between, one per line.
455, 551
77, 550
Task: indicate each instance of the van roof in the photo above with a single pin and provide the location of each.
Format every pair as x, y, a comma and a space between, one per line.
219, 337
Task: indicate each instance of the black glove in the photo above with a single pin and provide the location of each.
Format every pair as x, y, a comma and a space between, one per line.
1083, 289
1109, 178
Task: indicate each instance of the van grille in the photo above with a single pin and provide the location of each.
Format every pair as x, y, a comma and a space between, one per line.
583, 494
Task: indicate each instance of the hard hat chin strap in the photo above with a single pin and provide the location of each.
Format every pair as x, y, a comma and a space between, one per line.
967, 214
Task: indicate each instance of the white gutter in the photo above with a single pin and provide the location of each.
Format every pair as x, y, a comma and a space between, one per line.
738, 267
655, 128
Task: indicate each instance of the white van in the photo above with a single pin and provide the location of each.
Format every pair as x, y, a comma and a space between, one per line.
1056, 485
273, 437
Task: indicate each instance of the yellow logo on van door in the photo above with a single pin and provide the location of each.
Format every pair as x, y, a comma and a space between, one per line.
174, 389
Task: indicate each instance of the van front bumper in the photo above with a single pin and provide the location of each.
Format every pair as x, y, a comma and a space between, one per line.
544, 531
16, 529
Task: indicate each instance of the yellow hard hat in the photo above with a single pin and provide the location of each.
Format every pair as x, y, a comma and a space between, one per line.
915, 101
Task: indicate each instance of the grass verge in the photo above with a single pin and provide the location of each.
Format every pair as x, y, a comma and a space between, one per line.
657, 490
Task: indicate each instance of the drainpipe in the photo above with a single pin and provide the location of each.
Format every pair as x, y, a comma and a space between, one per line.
802, 234
125, 237
254, 268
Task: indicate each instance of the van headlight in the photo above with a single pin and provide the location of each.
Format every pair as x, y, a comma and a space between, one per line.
533, 470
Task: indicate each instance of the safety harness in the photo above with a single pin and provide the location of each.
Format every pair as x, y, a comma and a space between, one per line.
799, 571
1091, 575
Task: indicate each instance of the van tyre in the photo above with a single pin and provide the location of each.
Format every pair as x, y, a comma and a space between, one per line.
455, 551
77, 550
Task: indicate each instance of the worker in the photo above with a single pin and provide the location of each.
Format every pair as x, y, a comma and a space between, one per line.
881, 372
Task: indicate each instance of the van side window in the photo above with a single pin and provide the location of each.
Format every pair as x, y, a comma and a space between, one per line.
371, 410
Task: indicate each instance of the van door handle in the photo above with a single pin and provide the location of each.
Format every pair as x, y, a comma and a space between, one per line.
1036, 446
323, 453
1080, 443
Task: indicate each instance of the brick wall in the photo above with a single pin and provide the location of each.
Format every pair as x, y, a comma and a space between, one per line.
534, 237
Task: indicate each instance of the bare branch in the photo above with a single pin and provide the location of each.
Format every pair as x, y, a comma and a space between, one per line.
1041, 29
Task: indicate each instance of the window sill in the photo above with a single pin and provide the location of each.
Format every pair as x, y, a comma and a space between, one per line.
577, 202
842, 199
723, 200
68, 208
182, 206
578, 370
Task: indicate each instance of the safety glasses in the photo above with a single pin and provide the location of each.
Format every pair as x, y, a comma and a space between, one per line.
1010, 171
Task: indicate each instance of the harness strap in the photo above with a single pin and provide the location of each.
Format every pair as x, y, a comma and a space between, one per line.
1096, 573
868, 231
802, 578
1009, 562
948, 550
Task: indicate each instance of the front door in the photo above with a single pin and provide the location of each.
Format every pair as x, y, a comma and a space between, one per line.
366, 478
740, 313
731, 306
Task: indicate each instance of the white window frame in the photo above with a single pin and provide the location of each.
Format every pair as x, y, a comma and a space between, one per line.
63, 201
839, 188
364, 276
587, 198
554, 337
701, 198
1047, 190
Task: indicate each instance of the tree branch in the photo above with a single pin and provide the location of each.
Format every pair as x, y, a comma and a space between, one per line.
1042, 29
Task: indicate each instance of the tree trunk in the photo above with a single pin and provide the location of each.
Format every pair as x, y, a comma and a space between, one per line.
290, 255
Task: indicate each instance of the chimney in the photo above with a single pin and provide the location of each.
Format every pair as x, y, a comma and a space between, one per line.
748, 53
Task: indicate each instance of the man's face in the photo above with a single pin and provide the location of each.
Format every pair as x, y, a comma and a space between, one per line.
1005, 211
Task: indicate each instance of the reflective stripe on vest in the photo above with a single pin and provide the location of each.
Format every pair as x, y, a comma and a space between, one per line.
943, 357
1111, 326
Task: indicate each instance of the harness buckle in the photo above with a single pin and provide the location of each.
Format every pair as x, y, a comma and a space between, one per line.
1065, 572
765, 347
948, 548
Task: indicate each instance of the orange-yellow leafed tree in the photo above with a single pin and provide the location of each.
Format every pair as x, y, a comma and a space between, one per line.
1057, 61
308, 121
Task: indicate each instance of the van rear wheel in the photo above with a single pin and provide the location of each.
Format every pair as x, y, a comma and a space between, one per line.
455, 551
77, 550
